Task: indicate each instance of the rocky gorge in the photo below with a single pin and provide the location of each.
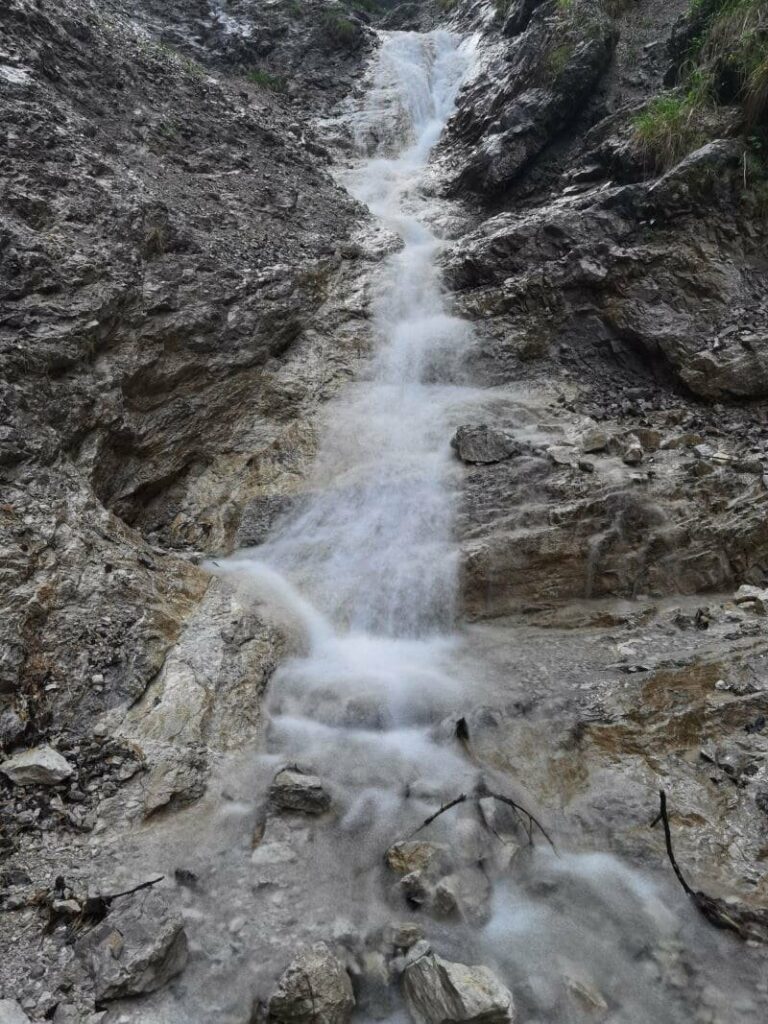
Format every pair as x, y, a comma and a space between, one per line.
384, 490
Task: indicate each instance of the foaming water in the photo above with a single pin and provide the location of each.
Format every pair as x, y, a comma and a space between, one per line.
373, 547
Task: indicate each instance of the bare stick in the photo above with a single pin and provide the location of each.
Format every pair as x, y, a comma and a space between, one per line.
527, 814
663, 817
446, 807
136, 888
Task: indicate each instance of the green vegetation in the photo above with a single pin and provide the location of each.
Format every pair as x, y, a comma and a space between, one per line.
339, 29
725, 65
265, 80
668, 128
559, 56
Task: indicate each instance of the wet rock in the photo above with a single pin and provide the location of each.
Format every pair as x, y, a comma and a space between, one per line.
139, 947
295, 790
483, 444
594, 440
416, 855
315, 989
11, 729
437, 991
41, 766
752, 598
632, 451
12, 1013
404, 935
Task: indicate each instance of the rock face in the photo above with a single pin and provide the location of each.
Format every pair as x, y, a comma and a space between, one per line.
41, 766
136, 950
296, 790
314, 987
536, 76
12, 1013
439, 992
483, 444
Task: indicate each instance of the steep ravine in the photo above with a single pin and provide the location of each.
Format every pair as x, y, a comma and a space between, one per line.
383, 427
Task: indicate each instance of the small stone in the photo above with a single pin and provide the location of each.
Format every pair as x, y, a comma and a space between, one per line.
12, 1013
38, 766
295, 790
594, 440
415, 855
754, 598
137, 949
314, 989
404, 935
632, 451
440, 992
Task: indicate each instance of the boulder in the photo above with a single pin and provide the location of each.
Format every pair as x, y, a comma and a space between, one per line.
483, 444
295, 790
315, 988
437, 991
12, 1013
139, 947
38, 766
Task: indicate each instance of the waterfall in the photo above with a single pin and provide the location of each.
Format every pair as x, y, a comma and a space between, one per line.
367, 566
373, 547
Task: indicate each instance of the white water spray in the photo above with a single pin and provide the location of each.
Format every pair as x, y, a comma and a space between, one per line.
373, 548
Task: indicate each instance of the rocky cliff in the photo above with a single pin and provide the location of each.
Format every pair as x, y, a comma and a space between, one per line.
184, 285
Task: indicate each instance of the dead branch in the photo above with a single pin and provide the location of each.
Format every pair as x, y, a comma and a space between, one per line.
446, 807
746, 922
529, 820
663, 817
136, 888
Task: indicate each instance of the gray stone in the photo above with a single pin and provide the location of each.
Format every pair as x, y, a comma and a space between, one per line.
437, 991
38, 766
755, 598
139, 947
314, 989
295, 790
12, 1013
483, 444
632, 451
594, 440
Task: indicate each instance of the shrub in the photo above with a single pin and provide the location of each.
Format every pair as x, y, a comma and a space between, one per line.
339, 29
265, 80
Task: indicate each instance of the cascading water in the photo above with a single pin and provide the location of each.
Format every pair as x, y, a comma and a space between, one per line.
368, 568
373, 548
371, 552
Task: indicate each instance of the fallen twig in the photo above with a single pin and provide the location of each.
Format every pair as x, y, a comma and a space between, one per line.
746, 922
446, 807
522, 812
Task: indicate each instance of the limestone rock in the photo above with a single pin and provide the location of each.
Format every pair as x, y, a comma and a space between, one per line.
314, 988
295, 790
12, 1013
483, 444
139, 947
437, 991
415, 855
38, 766
594, 440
